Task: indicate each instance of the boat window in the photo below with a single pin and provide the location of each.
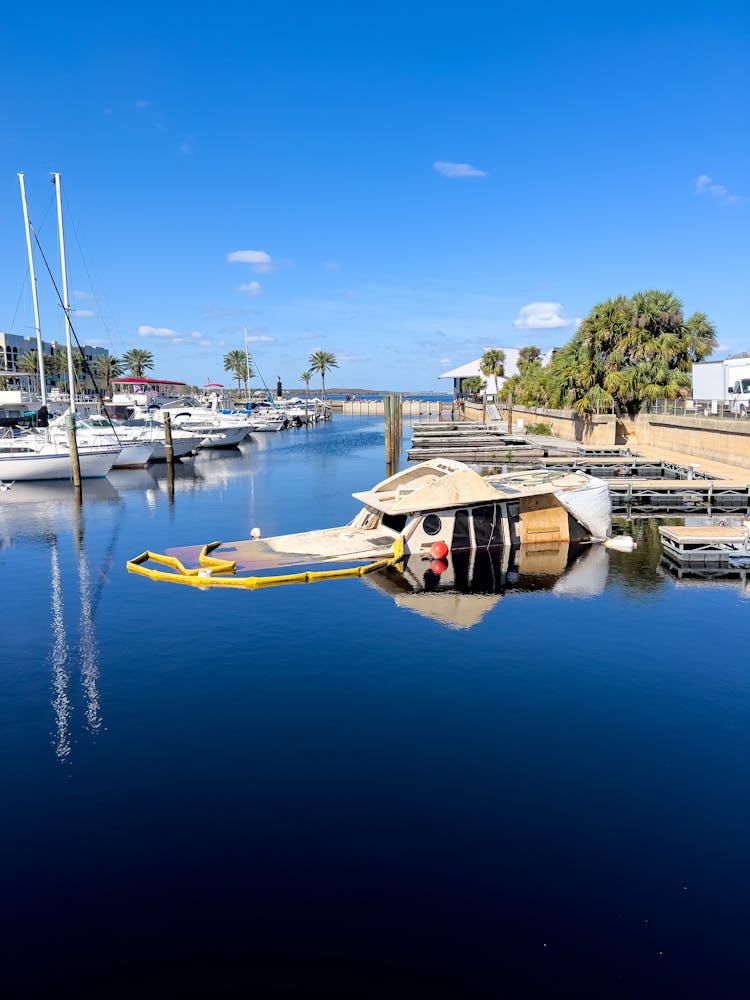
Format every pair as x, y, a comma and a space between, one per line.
461, 531
487, 526
396, 522
432, 524
514, 514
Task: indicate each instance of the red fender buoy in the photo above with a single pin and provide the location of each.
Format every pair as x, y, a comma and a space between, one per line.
438, 550
438, 566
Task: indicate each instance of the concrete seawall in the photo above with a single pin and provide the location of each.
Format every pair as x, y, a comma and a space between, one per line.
719, 440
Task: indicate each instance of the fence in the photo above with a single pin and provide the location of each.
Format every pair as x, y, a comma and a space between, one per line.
722, 408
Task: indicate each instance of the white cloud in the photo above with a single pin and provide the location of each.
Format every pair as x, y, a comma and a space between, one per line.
259, 260
252, 288
142, 105
259, 338
84, 313
448, 169
445, 362
705, 185
331, 265
542, 316
82, 296
157, 331
173, 337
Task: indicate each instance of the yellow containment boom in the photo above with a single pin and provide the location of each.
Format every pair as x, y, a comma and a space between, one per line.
209, 572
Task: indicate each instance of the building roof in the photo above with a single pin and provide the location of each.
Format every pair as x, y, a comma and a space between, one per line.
511, 365
145, 381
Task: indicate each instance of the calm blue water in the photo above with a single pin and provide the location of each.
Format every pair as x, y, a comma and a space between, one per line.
325, 790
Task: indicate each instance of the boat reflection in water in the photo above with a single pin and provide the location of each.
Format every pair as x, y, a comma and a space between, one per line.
460, 590
52, 512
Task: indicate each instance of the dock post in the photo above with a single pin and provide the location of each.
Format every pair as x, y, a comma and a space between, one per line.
170, 483
70, 430
168, 446
510, 412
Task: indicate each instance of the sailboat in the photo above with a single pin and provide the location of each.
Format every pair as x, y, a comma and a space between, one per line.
33, 457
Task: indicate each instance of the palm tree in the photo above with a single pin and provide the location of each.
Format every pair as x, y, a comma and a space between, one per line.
237, 362
306, 376
322, 361
629, 351
492, 363
138, 361
106, 367
28, 363
60, 365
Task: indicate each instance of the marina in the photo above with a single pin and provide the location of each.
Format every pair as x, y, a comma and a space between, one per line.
463, 697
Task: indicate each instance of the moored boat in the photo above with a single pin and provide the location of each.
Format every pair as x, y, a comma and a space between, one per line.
28, 458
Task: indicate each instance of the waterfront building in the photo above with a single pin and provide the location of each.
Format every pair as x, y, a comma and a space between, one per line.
13, 346
474, 368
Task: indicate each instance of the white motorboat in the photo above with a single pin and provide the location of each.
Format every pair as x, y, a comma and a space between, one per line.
265, 418
29, 458
435, 508
97, 431
150, 434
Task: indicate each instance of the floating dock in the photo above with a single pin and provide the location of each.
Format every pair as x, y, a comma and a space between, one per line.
707, 545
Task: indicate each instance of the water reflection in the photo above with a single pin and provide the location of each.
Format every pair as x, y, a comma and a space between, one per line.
50, 512
59, 660
459, 591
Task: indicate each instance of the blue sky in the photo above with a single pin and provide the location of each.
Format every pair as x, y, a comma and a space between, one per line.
403, 184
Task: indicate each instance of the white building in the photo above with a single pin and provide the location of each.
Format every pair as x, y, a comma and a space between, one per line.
12, 346
472, 368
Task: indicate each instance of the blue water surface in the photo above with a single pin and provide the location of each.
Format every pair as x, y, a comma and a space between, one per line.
329, 789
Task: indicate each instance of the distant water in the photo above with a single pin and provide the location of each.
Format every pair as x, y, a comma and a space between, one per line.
536, 787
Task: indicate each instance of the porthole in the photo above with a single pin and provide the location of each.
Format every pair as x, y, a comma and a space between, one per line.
432, 524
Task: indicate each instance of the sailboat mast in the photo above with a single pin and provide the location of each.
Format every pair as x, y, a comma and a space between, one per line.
66, 304
247, 362
35, 300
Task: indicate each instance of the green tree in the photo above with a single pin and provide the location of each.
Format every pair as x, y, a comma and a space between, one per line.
237, 362
629, 351
528, 355
493, 363
106, 367
472, 384
322, 361
28, 363
60, 366
306, 376
529, 385
138, 361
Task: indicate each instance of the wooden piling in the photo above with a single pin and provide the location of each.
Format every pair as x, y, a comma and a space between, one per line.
170, 483
510, 412
75, 464
168, 447
392, 423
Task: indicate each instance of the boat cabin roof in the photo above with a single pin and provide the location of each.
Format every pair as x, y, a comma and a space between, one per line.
442, 483
432, 485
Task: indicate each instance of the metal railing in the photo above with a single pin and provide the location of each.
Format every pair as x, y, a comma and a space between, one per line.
726, 409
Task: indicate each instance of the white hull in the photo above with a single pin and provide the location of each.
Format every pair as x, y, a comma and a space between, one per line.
135, 455
31, 467
222, 437
181, 446
271, 425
